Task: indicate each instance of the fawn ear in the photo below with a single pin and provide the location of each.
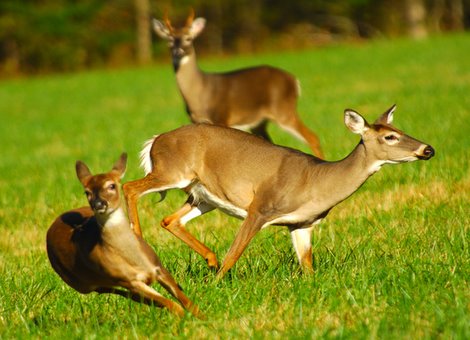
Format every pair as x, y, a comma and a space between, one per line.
120, 165
82, 172
387, 116
161, 29
355, 122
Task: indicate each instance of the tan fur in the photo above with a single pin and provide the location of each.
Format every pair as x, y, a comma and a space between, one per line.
93, 249
262, 183
246, 98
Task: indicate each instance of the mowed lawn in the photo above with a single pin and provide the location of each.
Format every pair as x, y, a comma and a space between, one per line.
392, 261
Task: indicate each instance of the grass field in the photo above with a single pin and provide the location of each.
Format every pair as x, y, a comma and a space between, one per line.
392, 261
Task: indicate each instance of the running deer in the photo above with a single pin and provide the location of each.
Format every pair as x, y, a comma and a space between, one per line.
246, 98
93, 248
262, 183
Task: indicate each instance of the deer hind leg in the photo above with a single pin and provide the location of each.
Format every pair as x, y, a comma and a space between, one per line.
147, 292
133, 190
302, 241
175, 225
252, 224
169, 283
140, 292
298, 129
125, 293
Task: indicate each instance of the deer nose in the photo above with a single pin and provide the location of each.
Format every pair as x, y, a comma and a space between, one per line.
428, 152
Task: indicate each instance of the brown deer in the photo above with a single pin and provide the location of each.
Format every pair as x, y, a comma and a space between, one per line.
246, 98
93, 248
262, 183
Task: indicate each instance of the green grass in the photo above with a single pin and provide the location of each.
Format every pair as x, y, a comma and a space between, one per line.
392, 261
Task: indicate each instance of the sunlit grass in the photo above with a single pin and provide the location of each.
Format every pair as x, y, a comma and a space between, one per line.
392, 261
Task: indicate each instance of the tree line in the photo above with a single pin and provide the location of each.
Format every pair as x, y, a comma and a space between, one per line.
65, 35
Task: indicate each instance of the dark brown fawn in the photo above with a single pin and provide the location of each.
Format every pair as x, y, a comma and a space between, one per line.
93, 248
262, 183
246, 98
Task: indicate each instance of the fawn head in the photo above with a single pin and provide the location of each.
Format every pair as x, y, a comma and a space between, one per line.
384, 142
102, 190
180, 39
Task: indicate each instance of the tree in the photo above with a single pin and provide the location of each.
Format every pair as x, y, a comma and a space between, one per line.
144, 41
415, 15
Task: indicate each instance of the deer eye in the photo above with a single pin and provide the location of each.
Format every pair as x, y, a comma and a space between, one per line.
87, 193
391, 138
112, 186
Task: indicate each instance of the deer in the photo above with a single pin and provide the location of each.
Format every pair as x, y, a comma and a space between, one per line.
261, 183
93, 248
246, 98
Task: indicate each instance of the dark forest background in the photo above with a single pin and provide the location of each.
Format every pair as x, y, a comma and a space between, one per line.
39, 36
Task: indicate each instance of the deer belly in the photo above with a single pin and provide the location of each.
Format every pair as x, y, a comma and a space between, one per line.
201, 194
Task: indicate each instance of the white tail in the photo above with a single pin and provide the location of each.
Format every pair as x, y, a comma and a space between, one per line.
246, 98
93, 248
262, 183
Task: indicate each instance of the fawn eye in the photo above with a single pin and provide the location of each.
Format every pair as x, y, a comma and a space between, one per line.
112, 186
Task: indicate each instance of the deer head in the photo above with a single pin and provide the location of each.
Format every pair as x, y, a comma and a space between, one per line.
387, 143
180, 39
102, 190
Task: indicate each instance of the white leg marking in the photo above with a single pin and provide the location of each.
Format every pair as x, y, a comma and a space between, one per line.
201, 209
302, 241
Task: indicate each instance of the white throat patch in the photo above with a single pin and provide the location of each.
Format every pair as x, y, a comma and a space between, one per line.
184, 60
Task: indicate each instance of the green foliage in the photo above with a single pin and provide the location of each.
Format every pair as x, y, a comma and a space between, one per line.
392, 261
65, 35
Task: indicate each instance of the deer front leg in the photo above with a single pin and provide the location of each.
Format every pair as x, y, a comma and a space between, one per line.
247, 231
302, 241
175, 225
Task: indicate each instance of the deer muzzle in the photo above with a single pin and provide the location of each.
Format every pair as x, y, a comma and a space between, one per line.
99, 206
427, 153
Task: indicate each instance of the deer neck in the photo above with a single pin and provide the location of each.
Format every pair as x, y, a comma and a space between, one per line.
190, 78
115, 220
342, 178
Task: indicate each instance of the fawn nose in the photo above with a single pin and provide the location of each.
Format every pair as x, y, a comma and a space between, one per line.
99, 205
428, 152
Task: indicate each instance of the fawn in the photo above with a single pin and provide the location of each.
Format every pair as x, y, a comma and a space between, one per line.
93, 248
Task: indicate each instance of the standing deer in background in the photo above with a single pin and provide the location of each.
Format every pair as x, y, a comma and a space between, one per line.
93, 248
262, 183
245, 99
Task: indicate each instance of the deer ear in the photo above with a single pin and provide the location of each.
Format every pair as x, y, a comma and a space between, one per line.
387, 116
82, 172
161, 29
197, 27
120, 165
355, 122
